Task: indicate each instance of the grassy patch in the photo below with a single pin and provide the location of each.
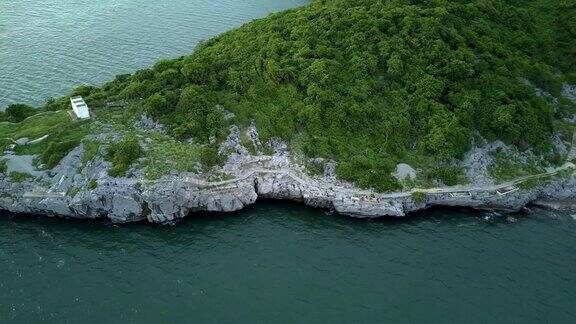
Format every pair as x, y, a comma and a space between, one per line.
418, 197
209, 156
38, 125
505, 168
450, 176
246, 142
72, 192
314, 169
19, 177
56, 151
63, 135
92, 184
90, 151
529, 184
3, 166
166, 155
121, 119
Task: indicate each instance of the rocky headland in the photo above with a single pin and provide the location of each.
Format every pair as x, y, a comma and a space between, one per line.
87, 191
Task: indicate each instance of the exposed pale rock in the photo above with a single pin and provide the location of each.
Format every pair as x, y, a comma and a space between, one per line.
176, 196
559, 145
477, 161
148, 123
279, 146
233, 143
22, 141
254, 137
22, 164
569, 91
404, 171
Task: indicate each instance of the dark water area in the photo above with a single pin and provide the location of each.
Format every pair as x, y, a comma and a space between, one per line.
286, 263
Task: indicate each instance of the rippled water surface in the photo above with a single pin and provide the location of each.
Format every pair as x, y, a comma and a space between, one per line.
280, 262
48, 47
275, 262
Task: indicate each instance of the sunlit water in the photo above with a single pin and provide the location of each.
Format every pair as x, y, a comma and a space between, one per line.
274, 262
48, 47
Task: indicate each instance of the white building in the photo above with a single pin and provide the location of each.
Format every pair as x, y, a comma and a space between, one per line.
79, 107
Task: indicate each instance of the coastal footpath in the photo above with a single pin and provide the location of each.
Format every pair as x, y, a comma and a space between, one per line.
366, 108
89, 192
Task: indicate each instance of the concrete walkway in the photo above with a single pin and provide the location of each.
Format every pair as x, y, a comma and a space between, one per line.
502, 188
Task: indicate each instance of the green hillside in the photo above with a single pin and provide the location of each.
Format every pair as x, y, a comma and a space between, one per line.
371, 83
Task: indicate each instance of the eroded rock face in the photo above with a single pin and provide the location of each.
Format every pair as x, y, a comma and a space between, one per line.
22, 141
478, 160
86, 191
254, 137
370, 209
175, 199
404, 171
233, 143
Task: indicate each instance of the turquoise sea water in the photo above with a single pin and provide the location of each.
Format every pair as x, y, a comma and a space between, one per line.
274, 262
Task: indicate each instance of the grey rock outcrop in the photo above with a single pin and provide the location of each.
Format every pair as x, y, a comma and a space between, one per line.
404, 171
477, 161
569, 91
254, 137
73, 189
22, 141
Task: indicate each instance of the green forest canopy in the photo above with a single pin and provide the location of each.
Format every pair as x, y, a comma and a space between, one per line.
369, 82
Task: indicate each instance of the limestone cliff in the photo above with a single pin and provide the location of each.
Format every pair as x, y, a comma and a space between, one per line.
89, 192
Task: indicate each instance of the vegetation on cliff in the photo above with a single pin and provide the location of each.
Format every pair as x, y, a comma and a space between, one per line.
370, 83
123, 154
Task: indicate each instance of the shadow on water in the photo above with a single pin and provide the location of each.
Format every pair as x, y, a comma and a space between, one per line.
284, 259
273, 209
276, 210
290, 215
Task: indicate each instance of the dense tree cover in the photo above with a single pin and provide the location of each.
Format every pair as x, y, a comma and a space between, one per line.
369, 82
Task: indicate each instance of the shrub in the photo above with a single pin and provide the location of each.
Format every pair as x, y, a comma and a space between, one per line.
171, 77
450, 176
418, 197
18, 112
18, 177
84, 91
3, 166
56, 151
156, 105
123, 154
92, 184
143, 75
369, 172
54, 105
210, 157
72, 191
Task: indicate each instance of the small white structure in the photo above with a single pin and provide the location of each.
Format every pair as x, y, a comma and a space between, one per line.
80, 108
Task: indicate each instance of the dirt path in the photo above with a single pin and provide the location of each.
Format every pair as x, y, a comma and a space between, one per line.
359, 192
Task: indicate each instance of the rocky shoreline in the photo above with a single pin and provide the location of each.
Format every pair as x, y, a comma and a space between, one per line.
65, 191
